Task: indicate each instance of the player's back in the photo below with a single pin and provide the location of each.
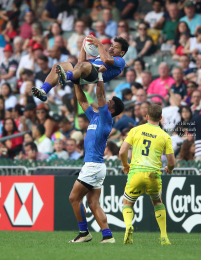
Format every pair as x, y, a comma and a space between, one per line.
148, 144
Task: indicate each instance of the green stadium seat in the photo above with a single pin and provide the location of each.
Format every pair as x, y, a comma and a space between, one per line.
115, 82
46, 24
170, 62
67, 35
54, 108
133, 24
135, 34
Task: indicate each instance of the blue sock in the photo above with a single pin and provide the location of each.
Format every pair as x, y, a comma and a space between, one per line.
83, 226
69, 75
106, 233
46, 87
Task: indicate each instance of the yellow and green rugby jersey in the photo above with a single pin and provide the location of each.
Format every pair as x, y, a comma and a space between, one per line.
148, 144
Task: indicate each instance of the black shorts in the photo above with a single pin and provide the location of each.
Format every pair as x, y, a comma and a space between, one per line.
93, 76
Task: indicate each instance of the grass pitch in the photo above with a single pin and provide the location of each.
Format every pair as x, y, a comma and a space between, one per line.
54, 246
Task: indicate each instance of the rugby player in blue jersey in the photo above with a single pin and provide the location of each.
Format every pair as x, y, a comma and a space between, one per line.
93, 172
86, 69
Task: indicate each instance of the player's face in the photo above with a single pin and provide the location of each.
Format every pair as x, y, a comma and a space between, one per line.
110, 106
115, 50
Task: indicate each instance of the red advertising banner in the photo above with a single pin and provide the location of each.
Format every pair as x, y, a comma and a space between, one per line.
27, 203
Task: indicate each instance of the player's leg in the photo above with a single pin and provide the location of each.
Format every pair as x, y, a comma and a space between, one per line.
76, 195
154, 188
84, 70
128, 215
93, 197
50, 81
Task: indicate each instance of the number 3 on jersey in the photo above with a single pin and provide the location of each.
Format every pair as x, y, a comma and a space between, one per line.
147, 143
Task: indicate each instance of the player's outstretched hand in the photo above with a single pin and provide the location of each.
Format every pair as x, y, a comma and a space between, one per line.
102, 69
93, 40
166, 168
126, 168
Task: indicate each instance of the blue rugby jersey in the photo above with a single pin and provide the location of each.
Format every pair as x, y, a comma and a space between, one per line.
97, 134
112, 71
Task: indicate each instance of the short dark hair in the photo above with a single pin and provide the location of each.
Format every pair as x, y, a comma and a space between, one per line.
160, 1
43, 57
84, 117
41, 129
123, 42
136, 85
17, 3
27, 72
118, 106
71, 139
33, 146
195, 85
113, 147
155, 112
64, 120
19, 109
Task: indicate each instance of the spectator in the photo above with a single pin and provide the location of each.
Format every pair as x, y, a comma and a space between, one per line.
59, 152
179, 87
171, 114
51, 11
56, 55
111, 26
59, 42
127, 8
143, 43
31, 152
71, 149
66, 127
111, 151
123, 27
187, 151
158, 86
26, 28
193, 45
83, 123
9, 99
79, 45
191, 18
27, 97
124, 120
72, 41
30, 116
100, 30
66, 17
139, 67
17, 115
115, 12
196, 102
28, 138
144, 109
131, 54
130, 77
170, 24
182, 27
191, 87
13, 15
38, 6
144, 7
146, 79
55, 30
134, 88
141, 95
154, 16
10, 31
137, 112
179, 136
37, 30
25, 75
44, 70
186, 114
126, 94
44, 144
42, 117
189, 73
18, 51
56, 94
8, 66
14, 145
179, 51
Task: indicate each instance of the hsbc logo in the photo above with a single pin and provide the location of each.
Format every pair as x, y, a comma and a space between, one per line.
23, 204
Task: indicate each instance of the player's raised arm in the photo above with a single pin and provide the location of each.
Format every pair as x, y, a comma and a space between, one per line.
81, 97
104, 56
100, 92
82, 55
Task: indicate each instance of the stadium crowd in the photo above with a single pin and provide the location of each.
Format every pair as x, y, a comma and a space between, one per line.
164, 58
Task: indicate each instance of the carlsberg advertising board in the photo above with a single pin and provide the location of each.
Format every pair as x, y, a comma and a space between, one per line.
181, 196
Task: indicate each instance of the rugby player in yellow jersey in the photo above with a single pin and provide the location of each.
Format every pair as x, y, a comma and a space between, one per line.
148, 142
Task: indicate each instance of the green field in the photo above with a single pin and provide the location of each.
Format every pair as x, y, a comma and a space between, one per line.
54, 245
